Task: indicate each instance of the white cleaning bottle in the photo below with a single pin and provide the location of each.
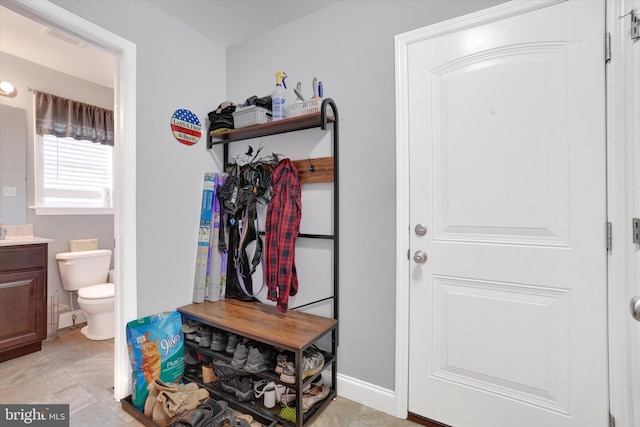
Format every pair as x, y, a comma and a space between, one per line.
278, 100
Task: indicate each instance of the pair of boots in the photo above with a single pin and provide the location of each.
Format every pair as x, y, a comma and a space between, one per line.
166, 401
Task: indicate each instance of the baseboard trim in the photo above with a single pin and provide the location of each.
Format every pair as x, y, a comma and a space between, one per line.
66, 319
367, 394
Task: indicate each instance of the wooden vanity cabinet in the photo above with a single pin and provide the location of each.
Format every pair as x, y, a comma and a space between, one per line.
23, 299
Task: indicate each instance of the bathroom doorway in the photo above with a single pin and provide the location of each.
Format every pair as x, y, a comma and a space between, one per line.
124, 196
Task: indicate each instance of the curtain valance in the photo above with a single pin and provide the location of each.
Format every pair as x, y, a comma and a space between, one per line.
64, 118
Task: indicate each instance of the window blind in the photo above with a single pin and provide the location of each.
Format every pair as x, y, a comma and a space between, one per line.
75, 173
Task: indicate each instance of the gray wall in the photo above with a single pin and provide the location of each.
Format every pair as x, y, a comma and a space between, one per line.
177, 67
350, 48
60, 228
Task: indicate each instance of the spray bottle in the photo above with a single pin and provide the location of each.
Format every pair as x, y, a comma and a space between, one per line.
278, 99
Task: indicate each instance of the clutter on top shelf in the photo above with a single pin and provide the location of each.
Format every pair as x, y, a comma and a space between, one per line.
254, 111
249, 116
298, 91
228, 115
307, 107
302, 107
221, 119
279, 110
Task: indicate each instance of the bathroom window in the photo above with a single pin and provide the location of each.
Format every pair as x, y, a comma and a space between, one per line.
73, 174
73, 153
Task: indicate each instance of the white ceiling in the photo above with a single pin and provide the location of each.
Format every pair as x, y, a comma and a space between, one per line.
232, 21
225, 21
28, 40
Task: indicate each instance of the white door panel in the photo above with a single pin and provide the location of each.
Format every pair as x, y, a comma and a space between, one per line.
507, 169
530, 207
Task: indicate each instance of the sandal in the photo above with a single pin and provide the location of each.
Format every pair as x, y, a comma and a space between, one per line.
207, 414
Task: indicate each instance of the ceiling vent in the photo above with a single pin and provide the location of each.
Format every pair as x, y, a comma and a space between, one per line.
63, 37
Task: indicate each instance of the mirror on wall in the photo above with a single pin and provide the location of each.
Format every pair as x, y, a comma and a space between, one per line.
13, 165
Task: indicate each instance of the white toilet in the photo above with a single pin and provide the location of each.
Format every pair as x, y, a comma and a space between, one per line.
87, 272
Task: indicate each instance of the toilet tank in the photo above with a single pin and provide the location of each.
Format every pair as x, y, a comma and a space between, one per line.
83, 268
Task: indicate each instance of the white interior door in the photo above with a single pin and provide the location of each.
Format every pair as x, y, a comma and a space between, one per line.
506, 131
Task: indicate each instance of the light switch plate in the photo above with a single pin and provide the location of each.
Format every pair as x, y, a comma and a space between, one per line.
9, 191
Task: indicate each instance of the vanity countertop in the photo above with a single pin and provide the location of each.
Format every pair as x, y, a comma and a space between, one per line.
21, 235
23, 240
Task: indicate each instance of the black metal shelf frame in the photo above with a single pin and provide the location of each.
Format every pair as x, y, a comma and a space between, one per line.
309, 121
321, 120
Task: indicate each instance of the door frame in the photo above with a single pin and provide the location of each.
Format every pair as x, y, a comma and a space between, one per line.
620, 265
623, 184
124, 164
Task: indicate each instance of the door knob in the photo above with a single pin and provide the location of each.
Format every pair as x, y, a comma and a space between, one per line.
421, 230
635, 308
420, 257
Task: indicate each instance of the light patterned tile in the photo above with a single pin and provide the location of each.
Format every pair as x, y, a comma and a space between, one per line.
97, 414
21, 363
344, 407
66, 338
75, 396
77, 371
38, 373
331, 419
374, 418
116, 407
81, 352
94, 374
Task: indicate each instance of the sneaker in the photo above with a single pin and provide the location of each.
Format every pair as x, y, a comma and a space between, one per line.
190, 327
282, 359
205, 337
192, 363
241, 387
240, 356
219, 340
255, 361
288, 374
224, 371
232, 343
312, 363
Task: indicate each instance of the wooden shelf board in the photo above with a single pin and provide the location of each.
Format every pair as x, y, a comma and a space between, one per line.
292, 330
307, 121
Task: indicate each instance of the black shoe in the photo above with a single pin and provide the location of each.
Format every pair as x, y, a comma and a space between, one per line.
241, 387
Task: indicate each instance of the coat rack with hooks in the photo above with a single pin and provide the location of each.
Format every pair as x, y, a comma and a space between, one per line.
311, 170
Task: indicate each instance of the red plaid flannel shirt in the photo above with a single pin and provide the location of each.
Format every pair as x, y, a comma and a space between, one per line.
281, 231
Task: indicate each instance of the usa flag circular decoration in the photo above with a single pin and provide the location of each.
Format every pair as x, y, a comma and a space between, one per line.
186, 127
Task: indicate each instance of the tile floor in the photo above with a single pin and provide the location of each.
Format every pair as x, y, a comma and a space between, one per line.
74, 370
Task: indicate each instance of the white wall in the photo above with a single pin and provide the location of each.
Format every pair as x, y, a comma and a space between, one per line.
177, 67
350, 48
60, 228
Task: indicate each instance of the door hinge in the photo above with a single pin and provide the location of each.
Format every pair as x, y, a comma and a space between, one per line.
612, 421
607, 47
608, 236
408, 253
634, 30
635, 228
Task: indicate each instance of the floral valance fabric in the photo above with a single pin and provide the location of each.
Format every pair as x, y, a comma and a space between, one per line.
65, 118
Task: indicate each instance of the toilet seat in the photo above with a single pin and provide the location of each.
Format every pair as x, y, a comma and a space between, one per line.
97, 292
